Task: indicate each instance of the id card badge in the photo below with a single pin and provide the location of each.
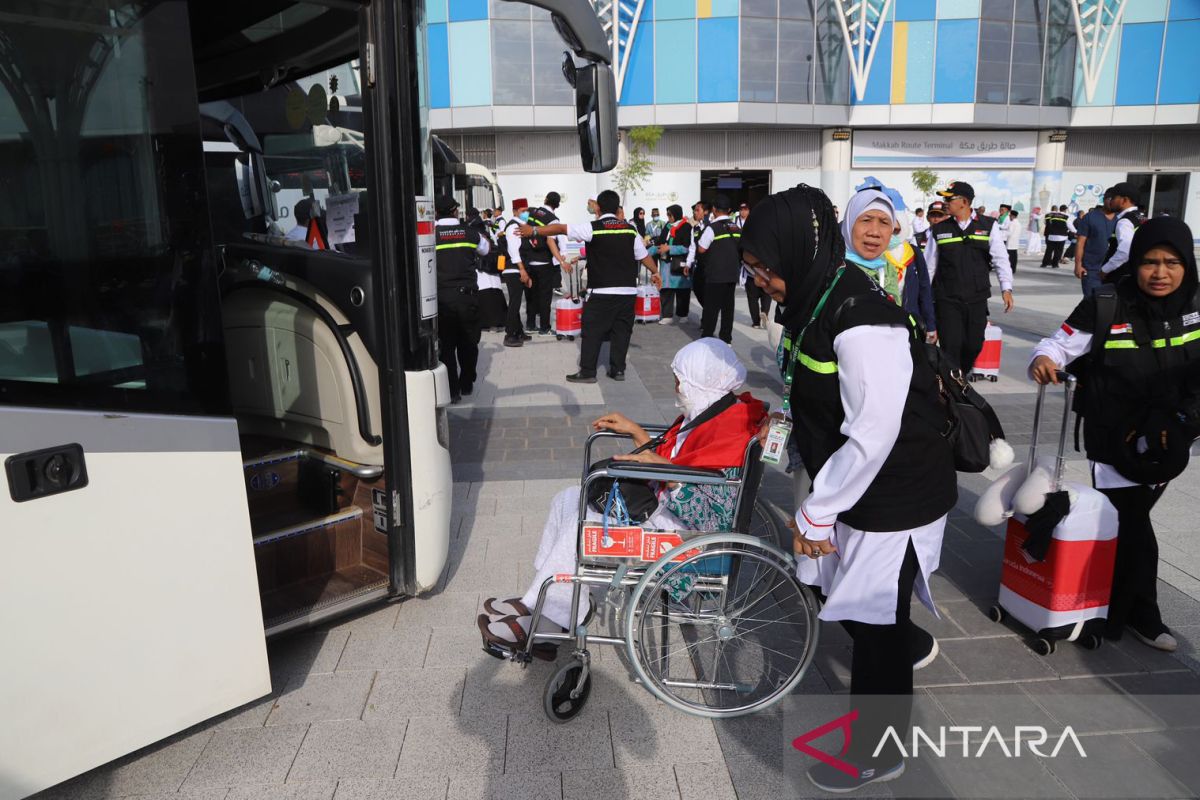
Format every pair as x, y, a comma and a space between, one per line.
777, 436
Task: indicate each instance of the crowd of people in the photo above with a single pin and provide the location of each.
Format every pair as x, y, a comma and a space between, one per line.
859, 299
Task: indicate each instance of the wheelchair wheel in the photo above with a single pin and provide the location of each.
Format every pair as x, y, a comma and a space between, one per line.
724, 631
764, 522
556, 698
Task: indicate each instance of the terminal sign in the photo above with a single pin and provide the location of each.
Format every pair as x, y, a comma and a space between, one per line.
975, 149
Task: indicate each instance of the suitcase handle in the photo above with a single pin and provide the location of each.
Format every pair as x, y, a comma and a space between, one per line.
1069, 381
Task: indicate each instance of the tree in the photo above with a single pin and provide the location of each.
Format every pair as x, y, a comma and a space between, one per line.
925, 181
636, 168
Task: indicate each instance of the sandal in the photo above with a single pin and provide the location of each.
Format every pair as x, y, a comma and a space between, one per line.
512, 607
499, 647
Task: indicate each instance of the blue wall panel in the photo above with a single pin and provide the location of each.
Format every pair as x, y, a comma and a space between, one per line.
1181, 64
435, 11
718, 40
1185, 9
638, 89
1137, 71
879, 82
954, 65
470, 56
1145, 11
675, 60
919, 81
464, 10
675, 9
909, 10
439, 67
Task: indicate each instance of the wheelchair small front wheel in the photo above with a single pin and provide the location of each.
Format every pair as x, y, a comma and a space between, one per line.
557, 700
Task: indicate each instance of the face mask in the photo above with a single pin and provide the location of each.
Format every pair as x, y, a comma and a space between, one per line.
523, 216
682, 404
654, 217
895, 241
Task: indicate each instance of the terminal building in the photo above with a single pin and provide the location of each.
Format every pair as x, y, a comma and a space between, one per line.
1034, 102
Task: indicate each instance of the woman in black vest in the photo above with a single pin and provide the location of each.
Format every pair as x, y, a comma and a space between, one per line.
1140, 402
867, 419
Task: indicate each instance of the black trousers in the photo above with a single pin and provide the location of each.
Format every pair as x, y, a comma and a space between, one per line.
881, 673
676, 303
960, 328
539, 296
458, 337
1012, 261
608, 315
516, 289
1054, 253
758, 301
1134, 600
718, 300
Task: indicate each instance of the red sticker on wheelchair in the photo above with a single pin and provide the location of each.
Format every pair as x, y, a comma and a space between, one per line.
655, 545
616, 542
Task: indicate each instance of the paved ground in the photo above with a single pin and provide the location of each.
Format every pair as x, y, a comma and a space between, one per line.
401, 703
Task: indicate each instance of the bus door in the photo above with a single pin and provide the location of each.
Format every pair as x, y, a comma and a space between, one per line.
128, 594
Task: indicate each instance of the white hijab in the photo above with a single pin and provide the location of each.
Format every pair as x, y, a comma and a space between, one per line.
707, 370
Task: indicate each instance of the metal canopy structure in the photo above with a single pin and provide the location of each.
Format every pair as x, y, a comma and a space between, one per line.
1096, 23
620, 20
862, 23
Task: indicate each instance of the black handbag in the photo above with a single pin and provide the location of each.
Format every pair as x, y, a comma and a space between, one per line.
971, 424
639, 496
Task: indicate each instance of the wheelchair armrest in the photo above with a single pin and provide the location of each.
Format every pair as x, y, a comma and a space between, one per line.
653, 430
665, 472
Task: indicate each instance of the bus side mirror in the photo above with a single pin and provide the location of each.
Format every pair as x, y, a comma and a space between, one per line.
595, 113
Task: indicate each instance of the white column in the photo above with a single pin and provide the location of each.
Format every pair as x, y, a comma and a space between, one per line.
835, 168
1047, 173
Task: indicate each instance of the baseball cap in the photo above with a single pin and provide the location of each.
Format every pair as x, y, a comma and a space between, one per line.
445, 205
959, 189
721, 201
936, 207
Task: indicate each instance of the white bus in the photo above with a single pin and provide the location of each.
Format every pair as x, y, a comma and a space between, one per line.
216, 423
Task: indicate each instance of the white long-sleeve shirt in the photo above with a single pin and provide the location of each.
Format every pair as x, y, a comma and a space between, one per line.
874, 368
1124, 239
997, 251
582, 232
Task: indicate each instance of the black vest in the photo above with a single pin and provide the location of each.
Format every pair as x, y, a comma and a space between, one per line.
1056, 224
540, 252
1142, 364
682, 238
917, 483
1137, 218
610, 261
457, 257
963, 260
722, 261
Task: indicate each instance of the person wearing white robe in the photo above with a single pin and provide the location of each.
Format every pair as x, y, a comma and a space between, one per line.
867, 577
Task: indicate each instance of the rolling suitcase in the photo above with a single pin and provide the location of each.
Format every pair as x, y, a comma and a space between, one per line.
987, 365
649, 301
568, 310
1057, 596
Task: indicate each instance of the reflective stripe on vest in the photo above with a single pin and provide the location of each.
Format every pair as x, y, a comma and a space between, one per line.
630, 231
963, 238
820, 367
1174, 341
452, 245
727, 236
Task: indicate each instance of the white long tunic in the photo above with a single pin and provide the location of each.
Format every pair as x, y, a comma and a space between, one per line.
860, 580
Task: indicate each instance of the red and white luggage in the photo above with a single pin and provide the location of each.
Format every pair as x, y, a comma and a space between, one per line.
1055, 597
568, 310
649, 304
987, 365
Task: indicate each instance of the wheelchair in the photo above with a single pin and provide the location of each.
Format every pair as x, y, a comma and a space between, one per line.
712, 624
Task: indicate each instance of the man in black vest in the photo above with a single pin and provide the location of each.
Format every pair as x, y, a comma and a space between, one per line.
458, 250
515, 275
613, 252
958, 254
546, 276
1056, 236
1122, 200
718, 245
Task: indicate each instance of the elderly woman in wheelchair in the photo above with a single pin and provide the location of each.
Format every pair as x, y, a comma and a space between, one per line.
687, 613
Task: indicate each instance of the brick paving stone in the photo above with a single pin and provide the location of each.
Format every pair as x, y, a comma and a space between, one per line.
402, 787
349, 749
399, 694
248, 756
655, 782
312, 698
312, 790
454, 745
1113, 769
998, 659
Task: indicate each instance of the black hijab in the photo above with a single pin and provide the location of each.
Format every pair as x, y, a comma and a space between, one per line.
1154, 233
639, 220
794, 233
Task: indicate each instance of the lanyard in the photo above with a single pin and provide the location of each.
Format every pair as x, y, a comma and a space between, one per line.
793, 344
